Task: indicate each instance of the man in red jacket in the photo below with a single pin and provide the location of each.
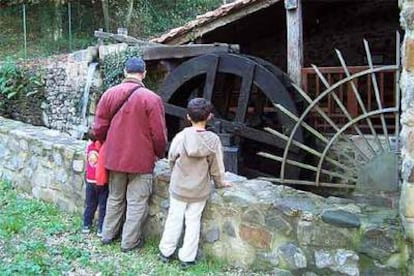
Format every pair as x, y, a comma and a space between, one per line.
131, 120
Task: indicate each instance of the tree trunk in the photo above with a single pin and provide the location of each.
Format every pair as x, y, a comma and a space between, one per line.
105, 10
58, 22
129, 13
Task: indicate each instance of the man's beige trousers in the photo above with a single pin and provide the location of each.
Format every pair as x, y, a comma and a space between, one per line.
127, 199
190, 213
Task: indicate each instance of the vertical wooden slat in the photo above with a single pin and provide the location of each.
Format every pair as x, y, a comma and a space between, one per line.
244, 96
211, 79
305, 80
330, 109
318, 125
369, 90
381, 88
351, 101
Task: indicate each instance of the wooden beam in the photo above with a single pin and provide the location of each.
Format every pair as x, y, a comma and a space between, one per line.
294, 25
157, 51
350, 1
125, 39
189, 50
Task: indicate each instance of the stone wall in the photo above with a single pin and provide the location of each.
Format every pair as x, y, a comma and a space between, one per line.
254, 224
45, 163
59, 105
65, 86
407, 121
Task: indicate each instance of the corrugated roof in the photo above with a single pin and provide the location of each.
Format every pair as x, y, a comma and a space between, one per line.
199, 26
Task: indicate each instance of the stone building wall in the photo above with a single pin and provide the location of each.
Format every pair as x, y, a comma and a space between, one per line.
254, 224
407, 122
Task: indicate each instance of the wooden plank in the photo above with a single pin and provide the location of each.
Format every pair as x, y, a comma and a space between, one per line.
352, 103
351, 1
157, 51
211, 79
294, 26
351, 69
244, 95
124, 38
184, 51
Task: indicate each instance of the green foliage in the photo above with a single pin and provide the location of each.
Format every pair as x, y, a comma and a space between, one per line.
9, 75
47, 22
15, 80
47, 28
36, 238
155, 17
114, 64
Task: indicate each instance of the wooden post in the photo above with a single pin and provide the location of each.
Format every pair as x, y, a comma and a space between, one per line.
294, 39
70, 26
24, 31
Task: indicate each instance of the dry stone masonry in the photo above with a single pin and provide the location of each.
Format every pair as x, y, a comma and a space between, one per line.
65, 84
407, 121
254, 224
60, 105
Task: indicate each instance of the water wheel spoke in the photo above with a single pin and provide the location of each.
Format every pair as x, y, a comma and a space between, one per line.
244, 96
231, 127
243, 91
211, 78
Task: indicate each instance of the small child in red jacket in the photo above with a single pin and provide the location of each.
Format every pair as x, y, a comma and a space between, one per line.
96, 193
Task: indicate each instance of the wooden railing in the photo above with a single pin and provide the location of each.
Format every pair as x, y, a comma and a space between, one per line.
386, 84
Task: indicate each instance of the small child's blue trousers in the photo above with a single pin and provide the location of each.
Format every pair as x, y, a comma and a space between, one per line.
96, 196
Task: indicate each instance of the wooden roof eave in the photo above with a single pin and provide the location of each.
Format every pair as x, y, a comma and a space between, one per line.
198, 31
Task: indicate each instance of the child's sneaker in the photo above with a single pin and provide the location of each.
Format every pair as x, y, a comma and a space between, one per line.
164, 258
186, 265
99, 233
86, 230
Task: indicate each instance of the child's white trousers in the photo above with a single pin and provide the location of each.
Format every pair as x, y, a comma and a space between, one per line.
174, 224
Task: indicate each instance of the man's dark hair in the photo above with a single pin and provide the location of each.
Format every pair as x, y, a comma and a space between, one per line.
199, 109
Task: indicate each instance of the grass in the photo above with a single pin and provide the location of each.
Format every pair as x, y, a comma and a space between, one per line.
36, 238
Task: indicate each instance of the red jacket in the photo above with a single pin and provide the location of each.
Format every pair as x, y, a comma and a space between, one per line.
92, 155
137, 133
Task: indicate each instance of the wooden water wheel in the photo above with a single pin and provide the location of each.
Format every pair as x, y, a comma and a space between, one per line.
244, 91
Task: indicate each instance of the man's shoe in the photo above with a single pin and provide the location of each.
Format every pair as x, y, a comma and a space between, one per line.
185, 265
164, 258
136, 247
106, 241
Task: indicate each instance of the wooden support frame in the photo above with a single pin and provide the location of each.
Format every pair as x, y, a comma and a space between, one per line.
156, 51
294, 30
